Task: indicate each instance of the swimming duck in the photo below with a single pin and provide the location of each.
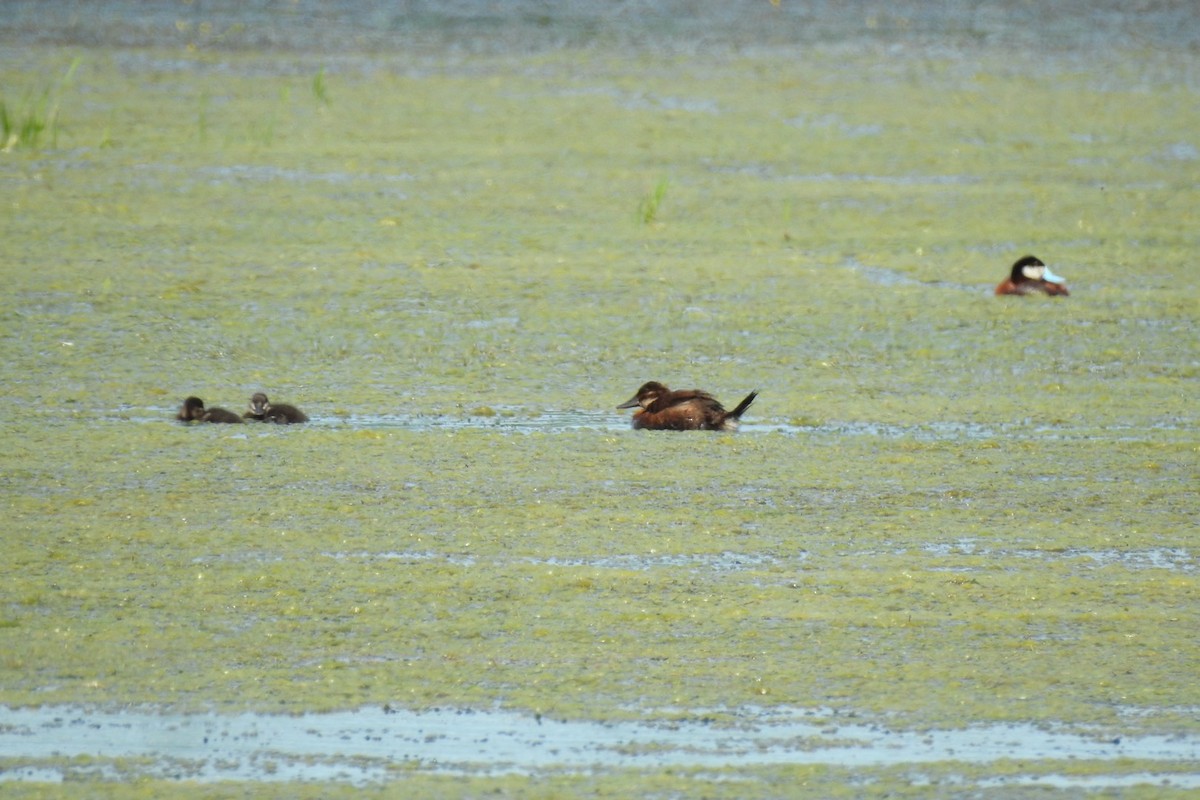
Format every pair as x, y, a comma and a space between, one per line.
193, 410
660, 409
264, 410
1030, 275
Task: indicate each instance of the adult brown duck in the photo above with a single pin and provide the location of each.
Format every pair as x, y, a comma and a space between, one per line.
1030, 275
658, 408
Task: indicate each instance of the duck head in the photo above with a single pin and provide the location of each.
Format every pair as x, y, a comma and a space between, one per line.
646, 395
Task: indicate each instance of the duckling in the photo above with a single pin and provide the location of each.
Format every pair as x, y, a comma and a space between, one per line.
1031, 275
193, 410
264, 410
659, 408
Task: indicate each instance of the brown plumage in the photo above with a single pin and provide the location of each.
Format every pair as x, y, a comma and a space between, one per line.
1030, 275
660, 409
263, 410
193, 410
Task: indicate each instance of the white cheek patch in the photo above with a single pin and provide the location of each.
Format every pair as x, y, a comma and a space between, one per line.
1034, 272
1050, 276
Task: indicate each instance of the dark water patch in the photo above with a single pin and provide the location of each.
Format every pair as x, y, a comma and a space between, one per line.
931, 431
714, 562
709, 562
510, 419
1172, 559
496, 418
1060, 781
474, 26
644, 101
769, 172
407, 557
647, 102
367, 745
884, 180
259, 173
892, 278
957, 431
169, 177
834, 122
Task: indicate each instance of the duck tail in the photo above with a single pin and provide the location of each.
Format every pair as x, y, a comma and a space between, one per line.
742, 406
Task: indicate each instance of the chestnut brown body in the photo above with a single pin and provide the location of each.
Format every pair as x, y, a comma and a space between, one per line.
659, 408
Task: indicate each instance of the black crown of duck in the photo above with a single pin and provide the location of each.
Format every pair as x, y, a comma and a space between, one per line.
263, 410
193, 410
1030, 275
659, 408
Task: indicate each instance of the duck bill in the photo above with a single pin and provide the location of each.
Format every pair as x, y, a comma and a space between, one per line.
630, 403
1052, 278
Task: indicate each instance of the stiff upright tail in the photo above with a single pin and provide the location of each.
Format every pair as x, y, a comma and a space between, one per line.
742, 406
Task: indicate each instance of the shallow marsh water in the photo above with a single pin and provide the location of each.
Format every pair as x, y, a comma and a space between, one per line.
947, 517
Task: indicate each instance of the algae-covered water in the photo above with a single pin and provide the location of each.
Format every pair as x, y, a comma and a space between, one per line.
952, 549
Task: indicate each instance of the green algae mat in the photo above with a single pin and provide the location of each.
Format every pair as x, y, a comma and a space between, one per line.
945, 509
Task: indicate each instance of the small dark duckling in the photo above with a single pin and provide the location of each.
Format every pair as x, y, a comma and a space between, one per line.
194, 411
264, 410
660, 409
1029, 276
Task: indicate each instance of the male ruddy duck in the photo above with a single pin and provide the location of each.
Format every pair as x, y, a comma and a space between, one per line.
194, 411
264, 410
1030, 275
660, 409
